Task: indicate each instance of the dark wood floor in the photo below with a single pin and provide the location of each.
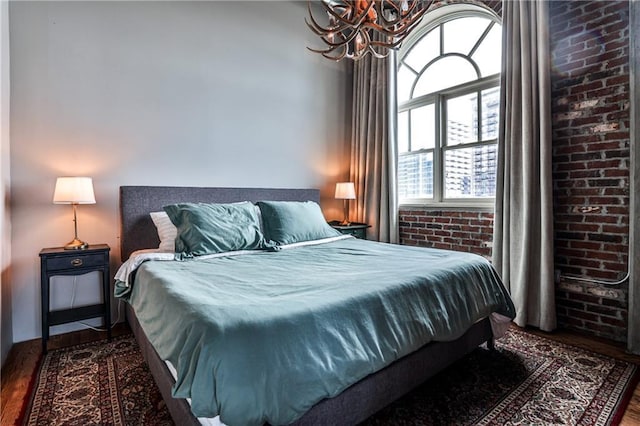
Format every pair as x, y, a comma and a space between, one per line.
22, 360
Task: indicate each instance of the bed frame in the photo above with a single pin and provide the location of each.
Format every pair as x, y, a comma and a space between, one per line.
353, 405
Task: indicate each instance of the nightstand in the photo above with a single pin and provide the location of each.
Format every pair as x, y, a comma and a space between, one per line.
358, 230
58, 261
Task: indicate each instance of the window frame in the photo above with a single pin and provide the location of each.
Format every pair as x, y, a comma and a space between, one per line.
439, 98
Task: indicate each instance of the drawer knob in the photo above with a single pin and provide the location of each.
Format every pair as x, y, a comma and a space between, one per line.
76, 262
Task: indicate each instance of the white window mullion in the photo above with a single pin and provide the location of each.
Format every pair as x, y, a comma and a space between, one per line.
434, 63
438, 155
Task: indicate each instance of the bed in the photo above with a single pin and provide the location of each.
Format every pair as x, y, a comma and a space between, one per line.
355, 400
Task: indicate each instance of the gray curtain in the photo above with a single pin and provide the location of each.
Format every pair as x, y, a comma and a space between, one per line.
523, 226
373, 148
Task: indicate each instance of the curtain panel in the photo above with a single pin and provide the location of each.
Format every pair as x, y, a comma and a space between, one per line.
523, 223
373, 147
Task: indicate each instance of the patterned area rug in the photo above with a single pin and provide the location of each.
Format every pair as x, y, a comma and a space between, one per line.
528, 380
100, 383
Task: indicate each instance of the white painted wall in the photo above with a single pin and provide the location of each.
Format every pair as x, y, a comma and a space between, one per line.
6, 334
159, 93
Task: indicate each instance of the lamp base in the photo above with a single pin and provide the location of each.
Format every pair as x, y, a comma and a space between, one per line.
345, 221
76, 244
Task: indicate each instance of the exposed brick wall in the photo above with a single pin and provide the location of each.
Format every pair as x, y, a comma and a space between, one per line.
451, 230
593, 309
590, 89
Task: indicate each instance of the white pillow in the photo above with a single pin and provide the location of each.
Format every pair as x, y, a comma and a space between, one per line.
167, 231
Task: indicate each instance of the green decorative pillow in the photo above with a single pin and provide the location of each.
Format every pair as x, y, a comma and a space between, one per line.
215, 228
287, 222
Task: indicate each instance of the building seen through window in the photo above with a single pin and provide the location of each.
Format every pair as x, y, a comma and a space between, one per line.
448, 108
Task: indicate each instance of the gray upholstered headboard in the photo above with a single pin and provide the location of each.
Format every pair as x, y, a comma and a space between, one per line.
136, 202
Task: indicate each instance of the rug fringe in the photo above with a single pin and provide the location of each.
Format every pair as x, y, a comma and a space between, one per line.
626, 397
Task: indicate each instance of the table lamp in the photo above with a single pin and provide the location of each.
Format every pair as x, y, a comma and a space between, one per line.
345, 191
74, 191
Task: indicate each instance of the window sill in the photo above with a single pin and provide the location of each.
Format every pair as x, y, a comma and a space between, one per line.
475, 207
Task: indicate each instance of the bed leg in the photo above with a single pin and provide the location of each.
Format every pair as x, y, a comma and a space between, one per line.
491, 345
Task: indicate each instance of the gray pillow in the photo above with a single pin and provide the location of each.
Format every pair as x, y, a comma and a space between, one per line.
215, 228
287, 222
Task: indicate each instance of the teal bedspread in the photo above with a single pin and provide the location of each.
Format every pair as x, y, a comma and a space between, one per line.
263, 337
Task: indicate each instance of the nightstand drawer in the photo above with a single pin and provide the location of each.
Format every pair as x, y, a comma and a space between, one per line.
73, 262
358, 233
358, 230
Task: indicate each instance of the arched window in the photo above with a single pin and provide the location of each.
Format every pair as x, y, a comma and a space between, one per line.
448, 106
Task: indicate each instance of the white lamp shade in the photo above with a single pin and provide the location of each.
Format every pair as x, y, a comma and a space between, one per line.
345, 191
74, 190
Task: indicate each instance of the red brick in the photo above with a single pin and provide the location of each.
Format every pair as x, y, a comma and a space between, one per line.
602, 329
604, 146
604, 200
442, 220
458, 234
601, 255
615, 229
620, 267
620, 79
605, 275
442, 246
615, 248
583, 315
602, 309
570, 252
577, 174
618, 210
571, 166
584, 227
586, 87
587, 191
615, 7
587, 263
590, 51
613, 43
600, 93
588, 245
571, 322
621, 305
616, 135
614, 321
468, 228
442, 233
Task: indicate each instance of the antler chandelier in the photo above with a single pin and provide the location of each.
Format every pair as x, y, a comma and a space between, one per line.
359, 27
